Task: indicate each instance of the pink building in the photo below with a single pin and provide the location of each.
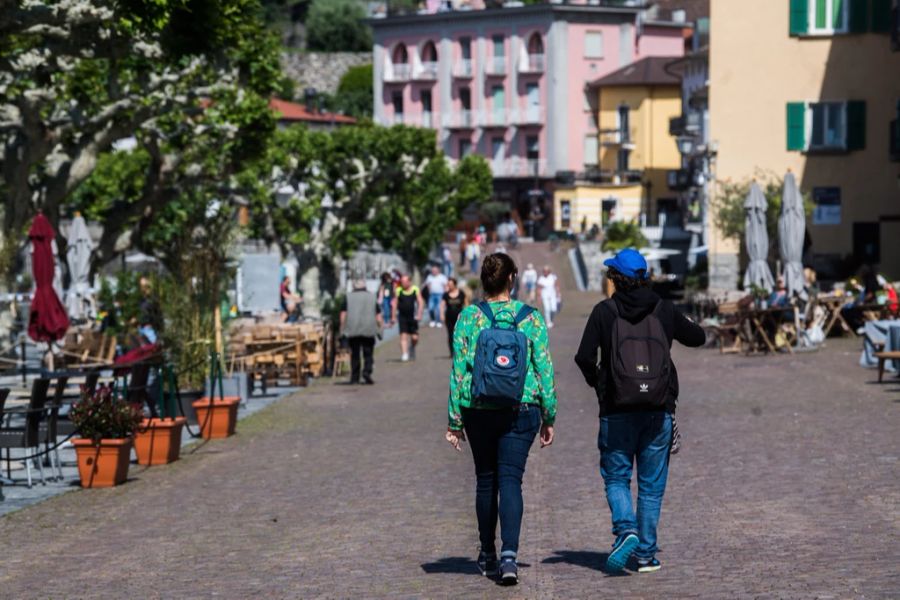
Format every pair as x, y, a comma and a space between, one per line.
509, 83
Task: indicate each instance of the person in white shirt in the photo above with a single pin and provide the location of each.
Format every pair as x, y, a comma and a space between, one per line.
550, 295
436, 283
529, 278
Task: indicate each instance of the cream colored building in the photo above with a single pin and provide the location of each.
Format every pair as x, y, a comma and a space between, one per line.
634, 152
812, 86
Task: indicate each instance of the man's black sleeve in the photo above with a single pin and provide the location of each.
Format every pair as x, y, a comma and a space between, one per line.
687, 332
586, 357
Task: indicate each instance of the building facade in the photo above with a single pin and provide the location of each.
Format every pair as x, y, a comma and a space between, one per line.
811, 86
509, 84
635, 151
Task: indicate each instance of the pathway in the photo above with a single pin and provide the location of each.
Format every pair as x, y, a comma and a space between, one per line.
786, 488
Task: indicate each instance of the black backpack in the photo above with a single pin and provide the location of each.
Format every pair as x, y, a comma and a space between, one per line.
639, 360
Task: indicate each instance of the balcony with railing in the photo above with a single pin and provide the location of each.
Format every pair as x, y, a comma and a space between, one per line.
462, 69
426, 119
530, 115
398, 73
495, 117
496, 66
428, 71
459, 119
518, 166
620, 137
533, 63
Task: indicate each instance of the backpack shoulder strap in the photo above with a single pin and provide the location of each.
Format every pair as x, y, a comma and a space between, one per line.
523, 313
486, 309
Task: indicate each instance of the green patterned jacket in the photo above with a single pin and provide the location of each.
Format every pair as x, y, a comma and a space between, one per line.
540, 385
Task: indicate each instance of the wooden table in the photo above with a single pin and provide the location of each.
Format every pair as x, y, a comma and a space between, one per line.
753, 325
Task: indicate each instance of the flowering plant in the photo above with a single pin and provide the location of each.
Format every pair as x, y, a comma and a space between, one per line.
103, 416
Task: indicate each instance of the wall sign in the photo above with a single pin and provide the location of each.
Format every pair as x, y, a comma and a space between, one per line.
828, 206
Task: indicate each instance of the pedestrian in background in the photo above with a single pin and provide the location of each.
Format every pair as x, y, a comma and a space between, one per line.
447, 261
436, 284
473, 253
548, 283
407, 311
452, 304
529, 279
360, 323
637, 388
386, 296
499, 412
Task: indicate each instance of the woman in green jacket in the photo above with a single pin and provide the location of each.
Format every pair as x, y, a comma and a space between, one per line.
500, 437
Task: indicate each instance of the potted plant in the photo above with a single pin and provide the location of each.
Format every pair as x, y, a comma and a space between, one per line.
106, 425
216, 416
157, 440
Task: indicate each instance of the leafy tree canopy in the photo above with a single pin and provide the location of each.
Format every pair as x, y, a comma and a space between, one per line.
336, 26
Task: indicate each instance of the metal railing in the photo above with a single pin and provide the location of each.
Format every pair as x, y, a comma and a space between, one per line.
534, 63
428, 72
463, 68
495, 117
460, 119
496, 65
399, 72
530, 115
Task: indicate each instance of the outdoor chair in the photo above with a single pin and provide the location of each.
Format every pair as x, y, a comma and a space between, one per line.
25, 434
49, 429
138, 388
883, 357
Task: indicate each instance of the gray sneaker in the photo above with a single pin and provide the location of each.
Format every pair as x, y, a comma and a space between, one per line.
509, 571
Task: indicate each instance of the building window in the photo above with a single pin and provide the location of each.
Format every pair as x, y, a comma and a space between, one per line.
623, 117
565, 213
499, 48
593, 44
532, 148
465, 48
465, 98
590, 150
465, 148
622, 157
828, 16
826, 126
426, 108
498, 149
397, 101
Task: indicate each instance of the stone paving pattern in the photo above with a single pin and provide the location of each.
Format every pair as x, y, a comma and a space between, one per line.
786, 487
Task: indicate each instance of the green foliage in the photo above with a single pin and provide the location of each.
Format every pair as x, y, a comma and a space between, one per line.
336, 26
623, 234
120, 304
117, 178
101, 415
494, 210
729, 214
354, 94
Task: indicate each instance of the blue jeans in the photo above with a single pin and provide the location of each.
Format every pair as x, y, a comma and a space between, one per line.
386, 310
434, 307
500, 441
624, 438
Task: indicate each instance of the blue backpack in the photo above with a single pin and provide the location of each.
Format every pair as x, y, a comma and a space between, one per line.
501, 361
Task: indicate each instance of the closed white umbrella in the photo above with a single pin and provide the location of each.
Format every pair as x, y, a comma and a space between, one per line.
78, 256
756, 238
791, 232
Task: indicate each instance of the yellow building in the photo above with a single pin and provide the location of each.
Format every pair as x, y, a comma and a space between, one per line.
812, 86
635, 150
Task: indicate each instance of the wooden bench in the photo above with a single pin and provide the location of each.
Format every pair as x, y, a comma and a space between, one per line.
885, 356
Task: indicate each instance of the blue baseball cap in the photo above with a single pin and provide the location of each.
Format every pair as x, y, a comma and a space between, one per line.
628, 262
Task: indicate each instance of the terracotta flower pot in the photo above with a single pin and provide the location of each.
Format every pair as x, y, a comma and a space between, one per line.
216, 417
102, 464
158, 441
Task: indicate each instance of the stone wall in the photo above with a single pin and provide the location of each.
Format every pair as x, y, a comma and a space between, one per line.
321, 70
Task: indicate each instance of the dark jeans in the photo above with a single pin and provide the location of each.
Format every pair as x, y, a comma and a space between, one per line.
500, 441
366, 346
624, 438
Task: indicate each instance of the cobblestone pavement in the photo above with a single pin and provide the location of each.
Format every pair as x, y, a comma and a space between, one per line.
787, 487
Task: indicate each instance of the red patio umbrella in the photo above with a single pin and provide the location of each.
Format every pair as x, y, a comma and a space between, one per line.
47, 320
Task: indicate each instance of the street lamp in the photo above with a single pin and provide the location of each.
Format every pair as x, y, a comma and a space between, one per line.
685, 144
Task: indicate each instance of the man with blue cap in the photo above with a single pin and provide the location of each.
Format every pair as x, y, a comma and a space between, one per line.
624, 355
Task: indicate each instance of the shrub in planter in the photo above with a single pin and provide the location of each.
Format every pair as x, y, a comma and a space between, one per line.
106, 425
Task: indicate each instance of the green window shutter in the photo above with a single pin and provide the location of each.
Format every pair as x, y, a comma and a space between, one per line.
799, 17
856, 125
796, 126
881, 16
858, 16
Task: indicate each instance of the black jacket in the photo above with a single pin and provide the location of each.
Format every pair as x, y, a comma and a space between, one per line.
633, 306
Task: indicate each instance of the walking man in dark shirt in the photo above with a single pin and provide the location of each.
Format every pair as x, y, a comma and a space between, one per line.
360, 322
637, 387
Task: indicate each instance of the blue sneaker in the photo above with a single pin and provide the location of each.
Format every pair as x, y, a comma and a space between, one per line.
621, 552
648, 565
509, 571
